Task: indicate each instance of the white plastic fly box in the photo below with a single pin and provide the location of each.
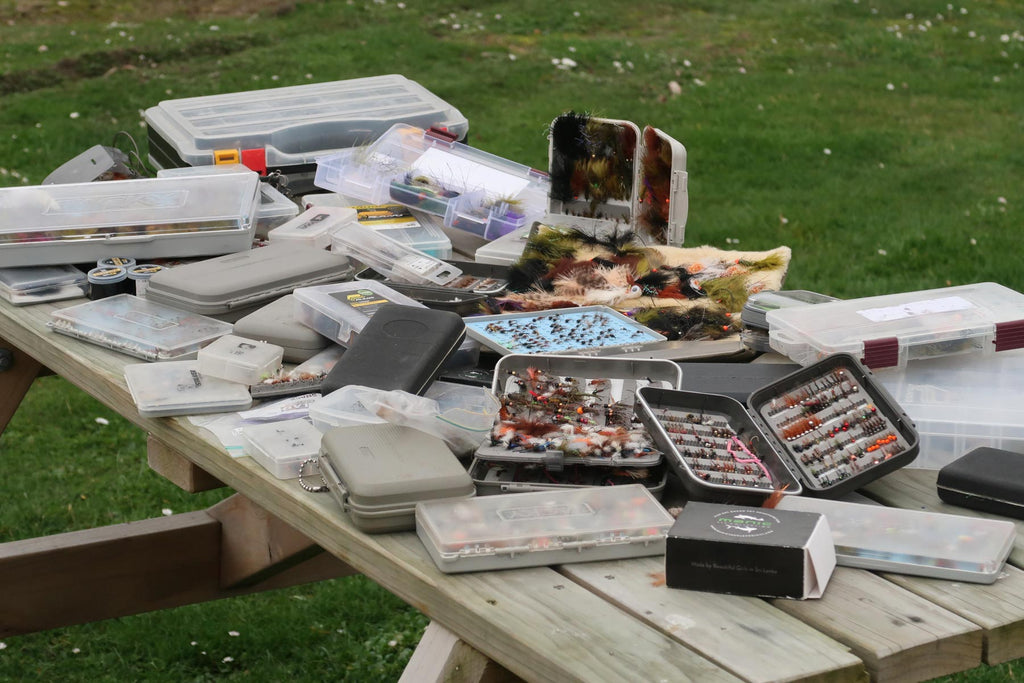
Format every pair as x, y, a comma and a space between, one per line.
379, 472
139, 327
281, 446
314, 227
286, 129
33, 285
430, 171
607, 174
542, 528
241, 360
178, 388
893, 329
148, 217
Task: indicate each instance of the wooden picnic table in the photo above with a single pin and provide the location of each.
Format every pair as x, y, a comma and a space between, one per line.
594, 621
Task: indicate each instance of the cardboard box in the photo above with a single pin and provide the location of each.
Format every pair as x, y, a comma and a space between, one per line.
749, 551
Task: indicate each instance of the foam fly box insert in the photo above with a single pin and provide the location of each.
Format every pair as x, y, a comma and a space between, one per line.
379, 472
607, 173
286, 129
749, 551
542, 528
823, 430
232, 286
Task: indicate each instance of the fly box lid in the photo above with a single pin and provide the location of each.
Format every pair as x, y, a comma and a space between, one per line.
236, 284
607, 172
275, 323
378, 472
823, 430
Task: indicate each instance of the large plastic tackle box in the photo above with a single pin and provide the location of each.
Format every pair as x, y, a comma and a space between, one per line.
568, 421
286, 129
542, 528
607, 173
232, 286
893, 329
823, 430
379, 472
142, 218
430, 171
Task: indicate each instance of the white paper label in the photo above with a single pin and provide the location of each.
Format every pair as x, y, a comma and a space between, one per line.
911, 310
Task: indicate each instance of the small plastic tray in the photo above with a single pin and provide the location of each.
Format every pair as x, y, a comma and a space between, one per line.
147, 217
542, 528
282, 446
890, 330
139, 327
428, 170
238, 359
314, 227
823, 430
36, 284
178, 388
415, 229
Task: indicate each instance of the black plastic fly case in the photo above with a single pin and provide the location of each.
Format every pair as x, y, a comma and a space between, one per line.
823, 430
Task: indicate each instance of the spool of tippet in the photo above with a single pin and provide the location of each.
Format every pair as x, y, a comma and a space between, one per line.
106, 281
139, 275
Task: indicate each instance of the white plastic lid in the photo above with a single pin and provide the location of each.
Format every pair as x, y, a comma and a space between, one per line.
178, 388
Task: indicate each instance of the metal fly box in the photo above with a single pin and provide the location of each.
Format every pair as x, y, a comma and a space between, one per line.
823, 430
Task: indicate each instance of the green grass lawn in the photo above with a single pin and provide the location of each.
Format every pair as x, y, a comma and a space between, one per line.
881, 141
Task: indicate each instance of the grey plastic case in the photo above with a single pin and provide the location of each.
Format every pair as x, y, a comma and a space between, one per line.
232, 286
275, 323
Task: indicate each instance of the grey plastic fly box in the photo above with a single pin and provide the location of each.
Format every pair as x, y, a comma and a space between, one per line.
378, 472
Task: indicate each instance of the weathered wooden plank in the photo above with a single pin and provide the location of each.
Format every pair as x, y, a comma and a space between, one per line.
744, 635
441, 657
16, 380
176, 468
899, 635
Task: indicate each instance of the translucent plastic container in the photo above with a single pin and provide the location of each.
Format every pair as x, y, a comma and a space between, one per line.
396, 260
238, 359
178, 388
139, 327
890, 330
36, 284
475, 191
314, 227
542, 528
151, 218
281, 446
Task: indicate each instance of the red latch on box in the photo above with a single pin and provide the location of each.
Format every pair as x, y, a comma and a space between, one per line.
255, 159
881, 353
1009, 335
440, 134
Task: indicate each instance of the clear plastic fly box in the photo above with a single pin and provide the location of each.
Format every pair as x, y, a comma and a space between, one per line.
281, 446
139, 327
239, 359
144, 218
286, 129
823, 430
33, 285
890, 330
542, 528
378, 472
568, 421
430, 171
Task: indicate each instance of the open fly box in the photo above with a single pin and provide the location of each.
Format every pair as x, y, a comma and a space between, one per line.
892, 329
232, 286
379, 472
607, 174
146, 217
542, 528
561, 415
430, 171
286, 129
823, 430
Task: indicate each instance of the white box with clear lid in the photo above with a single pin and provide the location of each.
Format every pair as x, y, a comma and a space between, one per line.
150, 217
238, 359
427, 170
892, 329
178, 388
542, 528
36, 284
314, 227
393, 259
281, 446
139, 327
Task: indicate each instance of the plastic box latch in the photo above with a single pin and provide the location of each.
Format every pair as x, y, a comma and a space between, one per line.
440, 134
1009, 335
255, 159
881, 353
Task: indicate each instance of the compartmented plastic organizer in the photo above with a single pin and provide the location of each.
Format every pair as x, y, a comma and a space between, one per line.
139, 327
238, 359
281, 446
148, 217
918, 542
541, 528
422, 231
286, 129
823, 430
892, 329
606, 173
34, 285
178, 388
396, 260
314, 227
428, 170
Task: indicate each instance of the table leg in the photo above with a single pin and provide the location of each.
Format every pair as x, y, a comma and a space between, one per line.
17, 372
442, 656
